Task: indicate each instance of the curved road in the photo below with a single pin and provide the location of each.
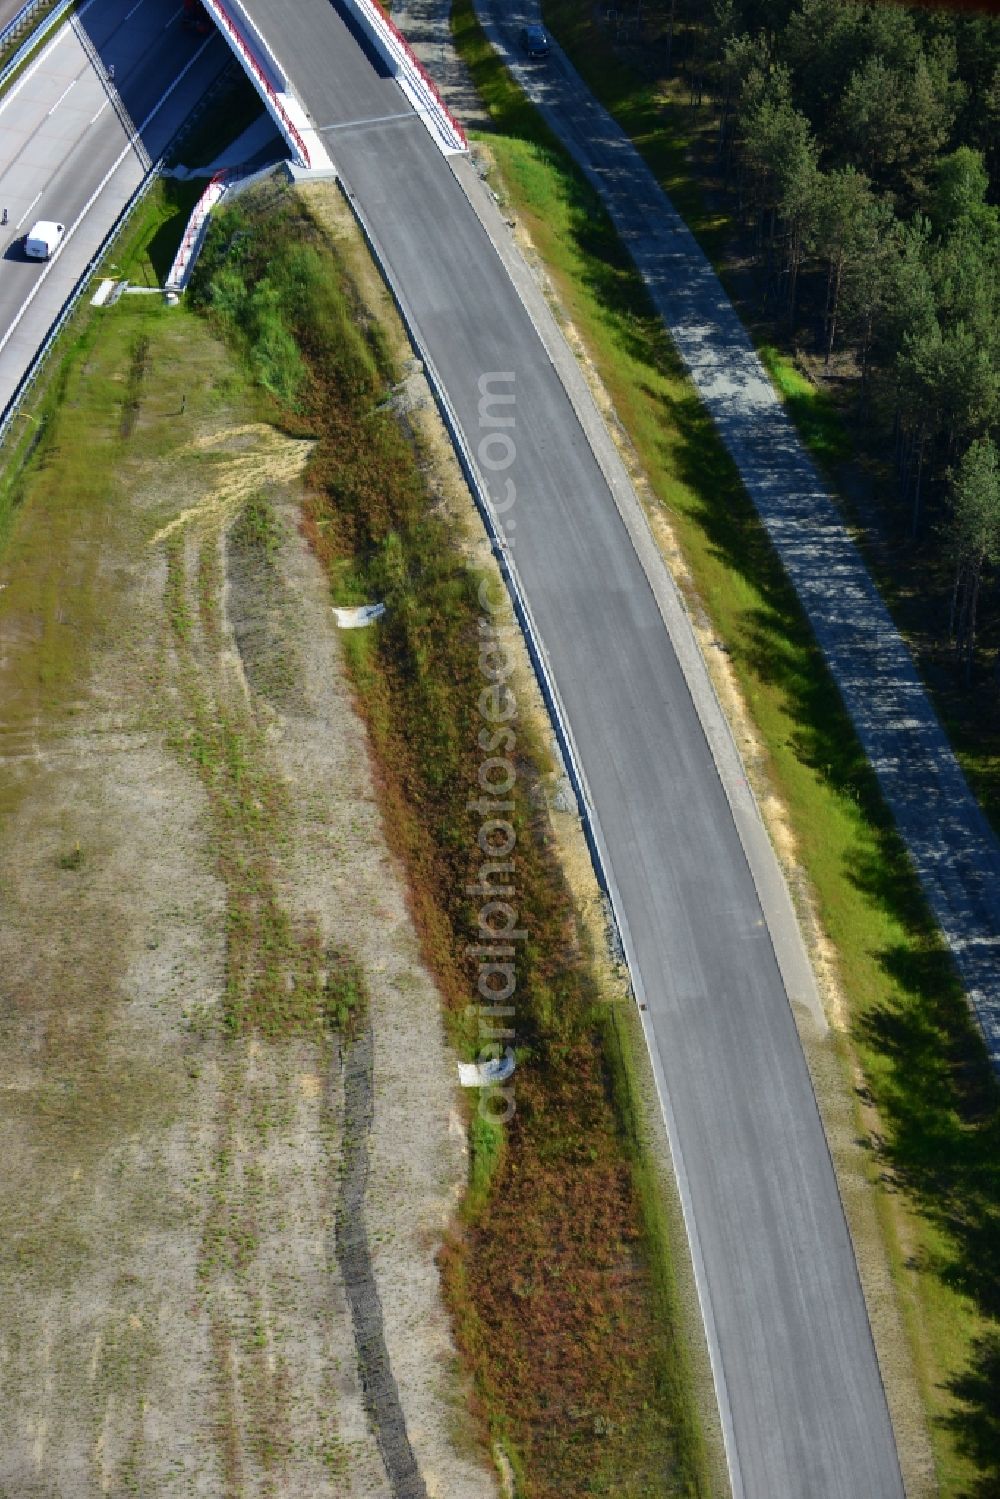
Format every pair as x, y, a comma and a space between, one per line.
76, 142
801, 1394
953, 848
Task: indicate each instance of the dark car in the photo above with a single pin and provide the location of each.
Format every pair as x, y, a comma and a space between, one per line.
534, 41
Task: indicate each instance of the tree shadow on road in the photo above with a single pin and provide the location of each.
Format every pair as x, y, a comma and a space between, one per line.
926, 1065
937, 1100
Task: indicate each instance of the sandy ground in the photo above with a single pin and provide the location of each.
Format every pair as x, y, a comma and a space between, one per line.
554, 789
173, 1319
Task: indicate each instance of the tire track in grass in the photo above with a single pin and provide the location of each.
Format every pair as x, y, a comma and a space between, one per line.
381, 1394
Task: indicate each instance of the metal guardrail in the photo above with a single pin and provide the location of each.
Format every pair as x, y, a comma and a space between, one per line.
415, 62
20, 23
24, 17
33, 371
508, 571
233, 31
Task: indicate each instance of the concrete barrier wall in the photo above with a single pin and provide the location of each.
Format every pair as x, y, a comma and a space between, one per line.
410, 73
270, 65
261, 67
378, 36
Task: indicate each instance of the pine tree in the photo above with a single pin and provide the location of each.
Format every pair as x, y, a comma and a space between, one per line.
975, 539
844, 204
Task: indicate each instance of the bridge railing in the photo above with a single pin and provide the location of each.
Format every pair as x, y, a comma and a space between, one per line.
195, 227
28, 13
27, 380
428, 81
31, 22
246, 52
404, 59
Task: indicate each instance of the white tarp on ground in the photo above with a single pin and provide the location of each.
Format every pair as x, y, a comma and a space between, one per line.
485, 1074
358, 619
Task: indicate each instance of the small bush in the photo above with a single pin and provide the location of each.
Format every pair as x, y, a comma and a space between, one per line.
345, 997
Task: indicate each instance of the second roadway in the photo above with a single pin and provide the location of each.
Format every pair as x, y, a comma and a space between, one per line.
78, 130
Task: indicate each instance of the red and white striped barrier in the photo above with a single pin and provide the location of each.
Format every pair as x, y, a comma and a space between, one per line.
193, 234
268, 79
411, 75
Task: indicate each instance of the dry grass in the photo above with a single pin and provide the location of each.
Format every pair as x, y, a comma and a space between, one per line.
192, 846
627, 1419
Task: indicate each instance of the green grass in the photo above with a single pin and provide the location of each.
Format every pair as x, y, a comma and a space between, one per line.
663, 1229
54, 428
657, 117
146, 250
486, 1150
910, 1026
663, 131
40, 21
586, 1280
506, 103
651, 113
812, 409
82, 594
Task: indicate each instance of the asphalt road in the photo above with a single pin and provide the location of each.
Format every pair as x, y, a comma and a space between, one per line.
795, 1363
954, 850
75, 143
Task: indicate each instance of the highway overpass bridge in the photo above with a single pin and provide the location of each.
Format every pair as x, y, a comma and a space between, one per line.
801, 1399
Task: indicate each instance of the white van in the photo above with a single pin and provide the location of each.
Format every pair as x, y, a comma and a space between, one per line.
42, 239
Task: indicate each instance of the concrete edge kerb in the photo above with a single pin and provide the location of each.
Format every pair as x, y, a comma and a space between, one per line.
761, 857
411, 76
980, 842
265, 55
776, 903
589, 818
260, 67
768, 877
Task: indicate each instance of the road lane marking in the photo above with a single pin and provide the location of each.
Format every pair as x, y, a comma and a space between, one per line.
173, 18
5, 340
129, 14
27, 210
406, 114
103, 107
62, 31
62, 97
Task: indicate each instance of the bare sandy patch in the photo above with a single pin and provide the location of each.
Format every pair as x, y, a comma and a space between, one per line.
173, 1317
